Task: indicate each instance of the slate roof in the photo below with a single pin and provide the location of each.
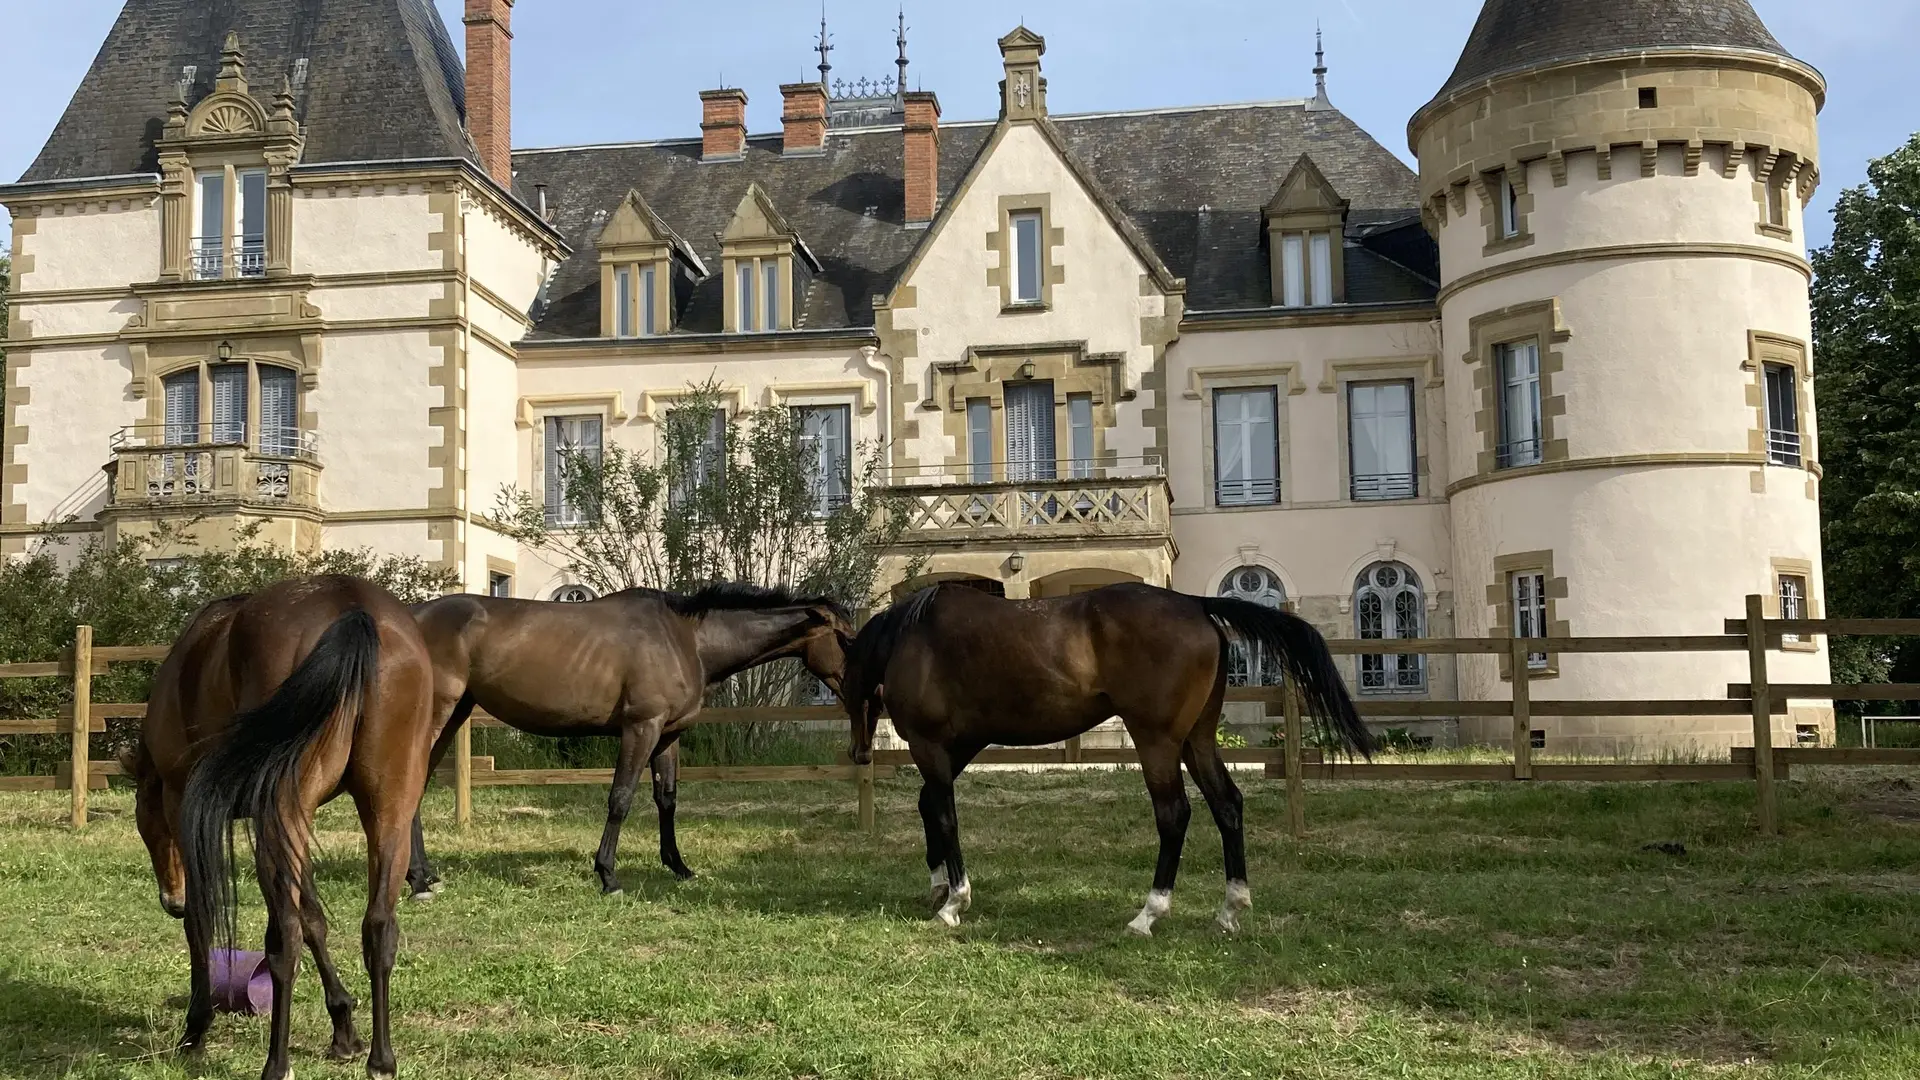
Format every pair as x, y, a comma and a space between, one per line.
383, 81
1514, 34
1192, 181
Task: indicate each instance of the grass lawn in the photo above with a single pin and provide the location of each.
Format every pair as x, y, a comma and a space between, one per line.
1421, 931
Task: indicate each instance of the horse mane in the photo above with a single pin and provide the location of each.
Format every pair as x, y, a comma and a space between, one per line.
741, 596
872, 648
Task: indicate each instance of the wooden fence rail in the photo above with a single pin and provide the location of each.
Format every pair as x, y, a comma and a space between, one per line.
1290, 761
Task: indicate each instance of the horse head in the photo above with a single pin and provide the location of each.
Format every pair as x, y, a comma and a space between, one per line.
150, 818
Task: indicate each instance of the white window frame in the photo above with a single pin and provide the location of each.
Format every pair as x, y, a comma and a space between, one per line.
650, 319
1792, 590
499, 584
832, 483
1293, 270
1509, 207
249, 249
770, 294
1387, 591
1080, 436
1381, 486
623, 301
209, 243
1256, 585
1320, 260
573, 594
1519, 388
1785, 444
1028, 250
1527, 592
561, 511
1249, 489
746, 278
1032, 399
980, 454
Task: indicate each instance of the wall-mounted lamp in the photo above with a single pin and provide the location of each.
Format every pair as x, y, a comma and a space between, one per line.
1026, 370
1016, 562
225, 351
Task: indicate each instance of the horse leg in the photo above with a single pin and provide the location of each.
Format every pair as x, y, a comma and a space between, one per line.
286, 933
1202, 755
939, 767
666, 784
346, 1044
422, 882
200, 984
383, 816
636, 747
1161, 764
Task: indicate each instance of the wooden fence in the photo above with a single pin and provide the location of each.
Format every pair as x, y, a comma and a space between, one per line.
1758, 698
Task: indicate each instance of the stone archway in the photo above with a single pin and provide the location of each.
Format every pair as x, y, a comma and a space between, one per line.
1068, 582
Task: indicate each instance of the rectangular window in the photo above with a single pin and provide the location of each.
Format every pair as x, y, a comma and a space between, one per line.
279, 411
1380, 441
1776, 204
210, 227
744, 288
770, 294
1509, 207
980, 439
499, 584
569, 439
1321, 244
1519, 404
230, 404
1080, 424
1649, 97
250, 257
1783, 414
1293, 271
825, 438
1529, 591
1246, 447
649, 322
709, 465
1026, 258
1793, 602
622, 302
1030, 450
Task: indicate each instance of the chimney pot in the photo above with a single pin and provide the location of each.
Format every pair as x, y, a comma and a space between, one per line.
923, 155
803, 116
490, 85
723, 125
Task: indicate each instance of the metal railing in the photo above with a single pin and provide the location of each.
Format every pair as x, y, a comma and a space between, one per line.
1783, 447
1120, 498
212, 261
1246, 492
1381, 487
276, 441
1512, 455
175, 463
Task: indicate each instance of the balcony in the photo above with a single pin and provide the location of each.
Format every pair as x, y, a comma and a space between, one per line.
1032, 502
212, 260
161, 466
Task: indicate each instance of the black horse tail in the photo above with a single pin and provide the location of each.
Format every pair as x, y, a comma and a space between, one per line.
872, 648
1308, 661
254, 771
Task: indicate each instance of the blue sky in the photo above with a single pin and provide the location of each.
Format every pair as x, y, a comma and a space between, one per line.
615, 70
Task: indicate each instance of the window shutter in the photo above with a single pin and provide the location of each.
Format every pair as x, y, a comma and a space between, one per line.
551, 453
279, 412
1230, 450
230, 404
183, 408
1030, 431
980, 439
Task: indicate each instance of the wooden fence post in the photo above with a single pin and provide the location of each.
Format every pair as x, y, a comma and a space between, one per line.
1296, 786
1522, 710
463, 775
1762, 715
865, 781
82, 720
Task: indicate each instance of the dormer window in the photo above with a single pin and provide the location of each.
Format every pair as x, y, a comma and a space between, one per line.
230, 223
1306, 230
1026, 258
766, 267
646, 268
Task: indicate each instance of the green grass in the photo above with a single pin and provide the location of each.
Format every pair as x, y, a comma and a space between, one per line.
1421, 931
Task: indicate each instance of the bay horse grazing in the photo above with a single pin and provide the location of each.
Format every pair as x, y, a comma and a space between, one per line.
634, 663
958, 669
267, 707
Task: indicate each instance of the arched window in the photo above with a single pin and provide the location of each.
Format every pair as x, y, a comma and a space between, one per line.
573, 594
1259, 585
1388, 603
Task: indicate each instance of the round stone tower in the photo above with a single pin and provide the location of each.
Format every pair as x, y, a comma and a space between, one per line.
1616, 188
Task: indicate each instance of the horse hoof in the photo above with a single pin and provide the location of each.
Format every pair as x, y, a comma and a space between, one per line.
950, 918
346, 1052
613, 892
422, 896
1141, 927
682, 873
1228, 921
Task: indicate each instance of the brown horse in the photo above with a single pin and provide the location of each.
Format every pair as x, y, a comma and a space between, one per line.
958, 669
267, 707
634, 664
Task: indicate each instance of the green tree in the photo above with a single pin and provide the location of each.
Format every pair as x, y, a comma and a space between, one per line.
1866, 318
754, 500
131, 599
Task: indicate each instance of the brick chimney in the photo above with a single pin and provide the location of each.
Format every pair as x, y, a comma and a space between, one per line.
723, 125
490, 85
923, 155
803, 115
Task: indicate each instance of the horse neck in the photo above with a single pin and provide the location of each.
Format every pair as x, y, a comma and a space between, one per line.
731, 641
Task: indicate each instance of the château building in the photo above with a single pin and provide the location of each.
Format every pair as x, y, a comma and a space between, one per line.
283, 265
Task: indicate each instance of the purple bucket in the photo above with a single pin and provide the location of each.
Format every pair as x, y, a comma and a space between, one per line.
241, 982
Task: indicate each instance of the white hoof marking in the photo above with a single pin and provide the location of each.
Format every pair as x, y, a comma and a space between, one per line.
1159, 903
423, 896
958, 901
617, 892
1239, 898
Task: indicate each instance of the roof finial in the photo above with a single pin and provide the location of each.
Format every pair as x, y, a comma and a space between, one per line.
233, 66
902, 42
826, 66
1320, 100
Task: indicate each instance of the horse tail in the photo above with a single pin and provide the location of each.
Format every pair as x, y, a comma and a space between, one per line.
254, 771
872, 648
1308, 661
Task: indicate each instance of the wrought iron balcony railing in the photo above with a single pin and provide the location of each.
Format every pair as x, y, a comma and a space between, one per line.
209, 464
